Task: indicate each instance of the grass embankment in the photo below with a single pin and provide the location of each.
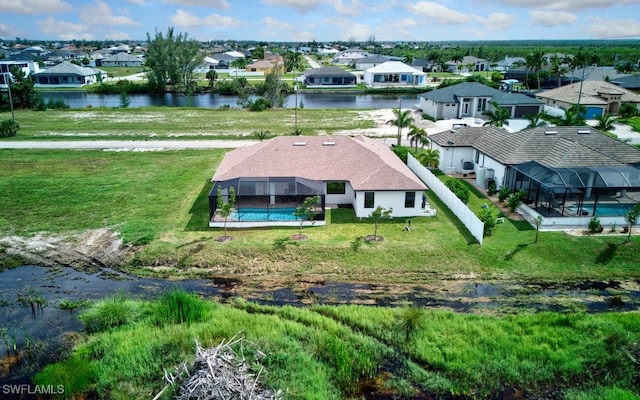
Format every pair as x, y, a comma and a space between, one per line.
325, 352
161, 198
180, 123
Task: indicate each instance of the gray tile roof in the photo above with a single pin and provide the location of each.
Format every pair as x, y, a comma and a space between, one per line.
66, 68
628, 82
366, 163
507, 98
550, 146
121, 57
449, 94
328, 72
376, 58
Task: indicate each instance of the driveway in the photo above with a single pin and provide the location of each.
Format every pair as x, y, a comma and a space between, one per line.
626, 133
136, 145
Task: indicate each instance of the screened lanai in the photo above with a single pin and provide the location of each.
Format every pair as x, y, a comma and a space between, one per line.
267, 199
584, 191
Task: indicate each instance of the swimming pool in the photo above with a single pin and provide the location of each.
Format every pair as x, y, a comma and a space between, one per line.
610, 210
264, 214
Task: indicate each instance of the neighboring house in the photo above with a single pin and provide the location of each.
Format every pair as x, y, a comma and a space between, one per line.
120, 60
594, 74
425, 65
274, 62
349, 57
508, 63
329, 77
62, 55
631, 82
347, 171
471, 99
223, 61
28, 67
565, 171
468, 64
394, 73
599, 97
68, 75
328, 52
370, 62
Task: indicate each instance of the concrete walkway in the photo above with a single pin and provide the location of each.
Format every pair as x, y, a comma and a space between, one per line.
626, 133
138, 145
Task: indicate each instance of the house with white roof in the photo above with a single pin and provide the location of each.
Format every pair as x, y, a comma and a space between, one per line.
28, 67
355, 172
394, 73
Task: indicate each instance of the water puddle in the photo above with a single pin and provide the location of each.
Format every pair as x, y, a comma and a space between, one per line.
35, 329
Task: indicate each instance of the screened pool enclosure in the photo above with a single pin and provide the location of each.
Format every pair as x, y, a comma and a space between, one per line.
583, 191
271, 201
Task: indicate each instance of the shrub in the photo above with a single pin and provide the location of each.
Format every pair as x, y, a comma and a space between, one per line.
515, 199
503, 193
459, 188
9, 128
628, 110
594, 225
259, 104
402, 152
57, 104
110, 313
491, 189
488, 219
428, 117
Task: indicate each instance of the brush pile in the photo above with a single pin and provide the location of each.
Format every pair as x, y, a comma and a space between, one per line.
220, 373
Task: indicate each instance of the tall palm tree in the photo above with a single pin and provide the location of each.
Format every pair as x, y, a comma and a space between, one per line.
457, 58
557, 68
535, 61
403, 120
498, 117
417, 135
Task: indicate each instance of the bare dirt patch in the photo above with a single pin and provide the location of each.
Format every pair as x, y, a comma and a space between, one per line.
96, 248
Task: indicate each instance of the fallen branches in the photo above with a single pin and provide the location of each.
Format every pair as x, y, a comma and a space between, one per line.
219, 373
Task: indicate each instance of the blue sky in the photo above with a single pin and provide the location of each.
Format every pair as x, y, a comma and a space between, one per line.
321, 20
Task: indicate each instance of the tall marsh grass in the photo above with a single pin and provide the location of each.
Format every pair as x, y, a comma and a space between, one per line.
112, 312
179, 307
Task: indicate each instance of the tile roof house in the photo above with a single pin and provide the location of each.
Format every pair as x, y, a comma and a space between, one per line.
568, 164
120, 60
471, 99
394, 73
631, 82
68, 75
468, 64
360, 172
599, 97
370, 61
329, 77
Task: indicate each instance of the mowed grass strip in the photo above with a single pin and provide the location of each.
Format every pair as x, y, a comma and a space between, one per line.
180, 123
161, 199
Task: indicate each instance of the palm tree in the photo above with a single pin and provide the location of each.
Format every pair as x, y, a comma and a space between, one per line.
605, 122
429, 158
212, 75
417, 135
457, 58
498, 117
535, 61
536, 120
573, 116
403, 120
578, 61
238, 63
557, 68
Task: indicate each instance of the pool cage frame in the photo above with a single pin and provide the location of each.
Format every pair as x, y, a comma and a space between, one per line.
271, 194
548, 190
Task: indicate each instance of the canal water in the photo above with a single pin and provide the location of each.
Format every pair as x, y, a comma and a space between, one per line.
82, 99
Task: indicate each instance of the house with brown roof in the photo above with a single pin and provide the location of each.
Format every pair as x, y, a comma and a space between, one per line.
599, 97
565, 171
268, 64
355, 172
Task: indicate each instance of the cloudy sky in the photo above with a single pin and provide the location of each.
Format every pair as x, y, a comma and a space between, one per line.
321, 20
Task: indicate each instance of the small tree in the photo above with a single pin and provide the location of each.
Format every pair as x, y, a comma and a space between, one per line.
503, 193
538, 222
410, 321
632, 218
429, 158
515, 199
403, 120
306, 212
377, 215
125, 101
9, 128
489, 220
225, 207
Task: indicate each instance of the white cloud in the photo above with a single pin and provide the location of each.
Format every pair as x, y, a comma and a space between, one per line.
361, 32
118, 36
101, 14
34, 6
6, 31
354, 8
498, 21
439, 13
223, 4
572, 5
552, 18
610, 28
186, 19
300, 5
274, 24
65, 30
476, 34
342, 7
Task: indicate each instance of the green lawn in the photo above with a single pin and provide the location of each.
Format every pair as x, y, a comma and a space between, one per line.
179, 123
343, 352
161, 198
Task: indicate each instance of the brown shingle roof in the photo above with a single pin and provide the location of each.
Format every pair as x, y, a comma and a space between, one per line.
366, 163
591, 93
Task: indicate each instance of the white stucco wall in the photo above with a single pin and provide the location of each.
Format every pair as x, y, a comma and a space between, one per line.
346, 198
388, 199
451, 158
489, 163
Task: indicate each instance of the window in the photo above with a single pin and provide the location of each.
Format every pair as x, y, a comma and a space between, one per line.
409, 199
369, 199
336, 188
482, 104
477, 157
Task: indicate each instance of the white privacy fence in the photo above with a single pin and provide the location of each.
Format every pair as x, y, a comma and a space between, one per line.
464, 214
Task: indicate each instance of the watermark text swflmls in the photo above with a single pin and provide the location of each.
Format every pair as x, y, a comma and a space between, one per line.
26, 388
